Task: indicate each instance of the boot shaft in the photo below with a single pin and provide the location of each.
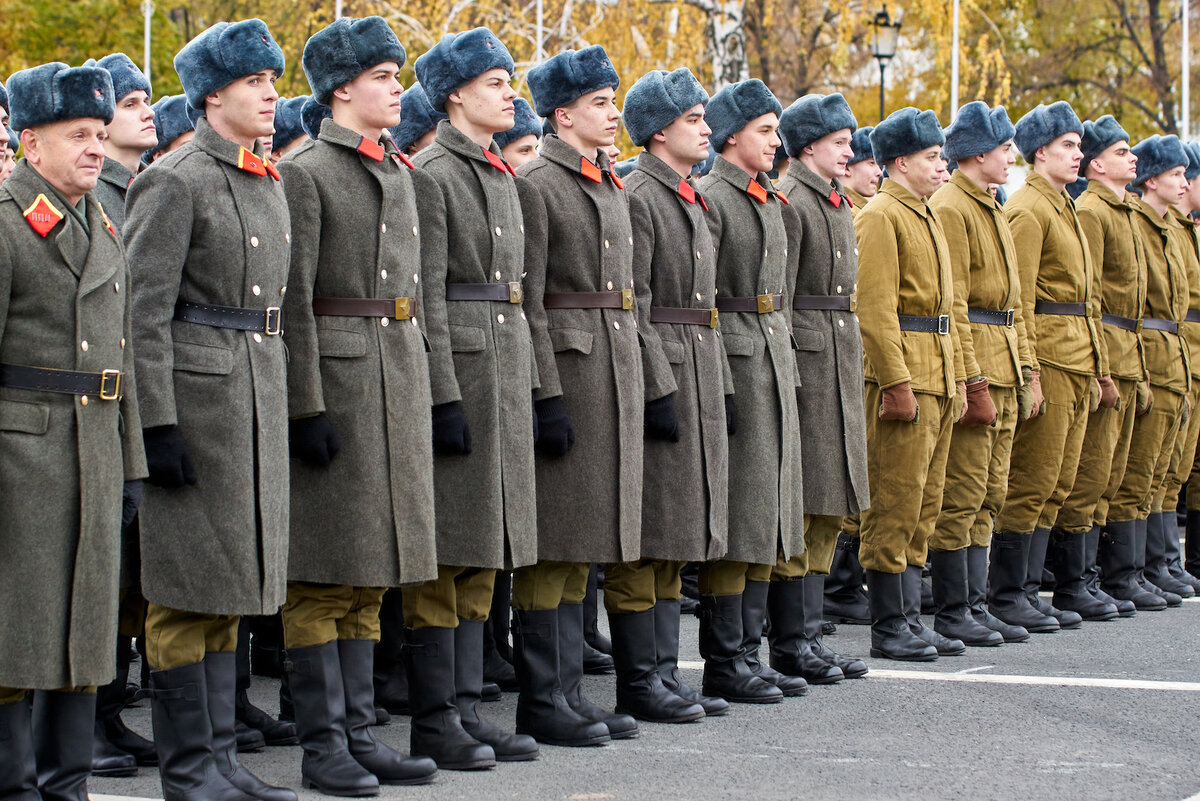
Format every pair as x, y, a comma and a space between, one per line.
18, 779
315, 677
63, 723
785, 610
720, 627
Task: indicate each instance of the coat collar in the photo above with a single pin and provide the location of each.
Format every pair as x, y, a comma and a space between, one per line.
857, 201
556, 150
458, 142
1057, 199
893, 189
1106, 194
116, 173
376, 151
1161, 223
760, 187
662, 172
974, 190
220, 148
831, 191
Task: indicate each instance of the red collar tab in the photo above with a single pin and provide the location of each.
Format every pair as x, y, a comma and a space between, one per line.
835, 198
703, 205
590, 170
274, 173
42, 216
372, 150
782, 197
616, 179
849, 202
130, 181
253, 164
686, 191
497, 162
405, 160
107, 222
756, 191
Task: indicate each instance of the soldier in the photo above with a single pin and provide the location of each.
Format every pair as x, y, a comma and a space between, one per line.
862, 172
67, 466
1106, 217
752, 230
1060, 309
289, 131
685, 482
207, 233
1161, 178
817, 132
998, 364
915, 388
8, 152
484, 483
130, 134
173, 125
418, 122
519, 143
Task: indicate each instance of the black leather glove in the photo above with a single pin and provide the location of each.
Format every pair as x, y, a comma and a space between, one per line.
555, 435
131, 499
730, 416
535, 420
313, 440
167, 457
451, 434
661, 420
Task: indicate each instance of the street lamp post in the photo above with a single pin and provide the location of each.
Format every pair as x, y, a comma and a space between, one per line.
887, 33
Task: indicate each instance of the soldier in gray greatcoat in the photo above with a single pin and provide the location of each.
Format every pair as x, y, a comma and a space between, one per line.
358, 400
751, 227
685, 482
69, 423
130, 134
207, 232
816, 131
519, 143
486, 505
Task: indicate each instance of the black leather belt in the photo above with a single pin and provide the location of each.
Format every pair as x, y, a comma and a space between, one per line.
1193, 316
761, 304
390, 308
105, 384
1155, 324
991, 316
925, 325
1066, 309
267, 321
504, 293
824, 303
682, 316
1124, 323
613, 299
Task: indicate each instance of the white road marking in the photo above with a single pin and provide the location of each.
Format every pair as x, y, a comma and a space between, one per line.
975, 669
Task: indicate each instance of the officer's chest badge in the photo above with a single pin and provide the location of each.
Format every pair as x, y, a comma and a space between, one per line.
42, 216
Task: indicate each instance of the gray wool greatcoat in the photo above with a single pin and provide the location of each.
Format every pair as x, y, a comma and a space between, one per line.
578, 239
766, 494
486, 502
685, 484
366, 519
829, 353
199, 228
111, 189
64, 304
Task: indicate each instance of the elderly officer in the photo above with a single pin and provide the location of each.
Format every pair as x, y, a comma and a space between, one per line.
130, 134
360, 423
519, 143
752, 229
998, 362
418, 121
685, 483
817, 133
914, 379
1058, 288
208, 233
70, 431
485, 499
1106, 216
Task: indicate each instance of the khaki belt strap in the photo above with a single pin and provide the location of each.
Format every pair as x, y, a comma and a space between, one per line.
680, 316
825, 303
394, 308
502, 293
759, 304
615, 299
106, 384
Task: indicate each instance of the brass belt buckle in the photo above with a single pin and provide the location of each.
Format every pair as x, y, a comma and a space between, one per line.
274, 320
515, 293
766, 304
626, 298
110, 385
712, 318
403, 311
854, 302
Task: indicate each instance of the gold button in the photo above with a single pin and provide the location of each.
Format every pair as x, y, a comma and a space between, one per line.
116, 286
84, 344
839, 290
383, 274
258, 337
122, 343
605, 243
254, 241
256, 289
416, 278
839, 253
498, 231
83, 400
700, 337
697, 255
383, 228
699, 296
282, 290
413, 320
500, 318
498, 275
414, 230
384, 321
841, 323
610, 284
616, 325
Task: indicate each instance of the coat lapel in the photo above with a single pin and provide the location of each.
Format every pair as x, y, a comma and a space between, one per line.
101, 260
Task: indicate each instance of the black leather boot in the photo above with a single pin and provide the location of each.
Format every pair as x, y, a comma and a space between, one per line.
953, 618
1141, 535
274, 732
1068, 557
468, 683
1118, 575
1191, 547
315, 675
845, 599
63, 725
977, 579
597, 649
437, 729
18, 780
1039, 544
391, 680
542, 709
666, 642
388, 765
570, 674
927, 604
911, 583
754, 618
183, 737
1158, 560
1175, 555
1091, 576
266, 646
726, 674
640, 691
891, 637
1006, 584
790, 651
814, 629
497, 653
220, 673
116, 750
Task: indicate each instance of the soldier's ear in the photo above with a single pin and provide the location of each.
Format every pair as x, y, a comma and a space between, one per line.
31, 140
659, 136
342, 93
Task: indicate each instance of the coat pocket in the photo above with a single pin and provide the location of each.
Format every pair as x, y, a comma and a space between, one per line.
466, 338
738, 344
673, 351
28, 418
341, 344
193, 357
571, 339
808, 339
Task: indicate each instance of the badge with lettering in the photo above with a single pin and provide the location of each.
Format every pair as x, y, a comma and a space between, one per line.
42, 216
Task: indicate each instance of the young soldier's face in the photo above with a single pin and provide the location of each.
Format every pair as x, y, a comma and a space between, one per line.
132, 127
374, 96
754, 146
593, 118
686, 139
1060, 159
995, 163
246, 106
521, 150
1170, 186
1118, 162
863, 177
923, 170
830, 154
487, 101
1191, 201
68, 154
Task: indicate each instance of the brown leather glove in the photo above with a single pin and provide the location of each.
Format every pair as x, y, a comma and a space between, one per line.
980, 409
1109, 398
1145, 398
899, 404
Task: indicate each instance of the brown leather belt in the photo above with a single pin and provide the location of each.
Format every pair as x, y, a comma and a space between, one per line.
760, 304
615, 299
1155, 324
106, 384
1116, 321
394, 308
503, 293
1193, 316
1067, 309
671, 314
824, 303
